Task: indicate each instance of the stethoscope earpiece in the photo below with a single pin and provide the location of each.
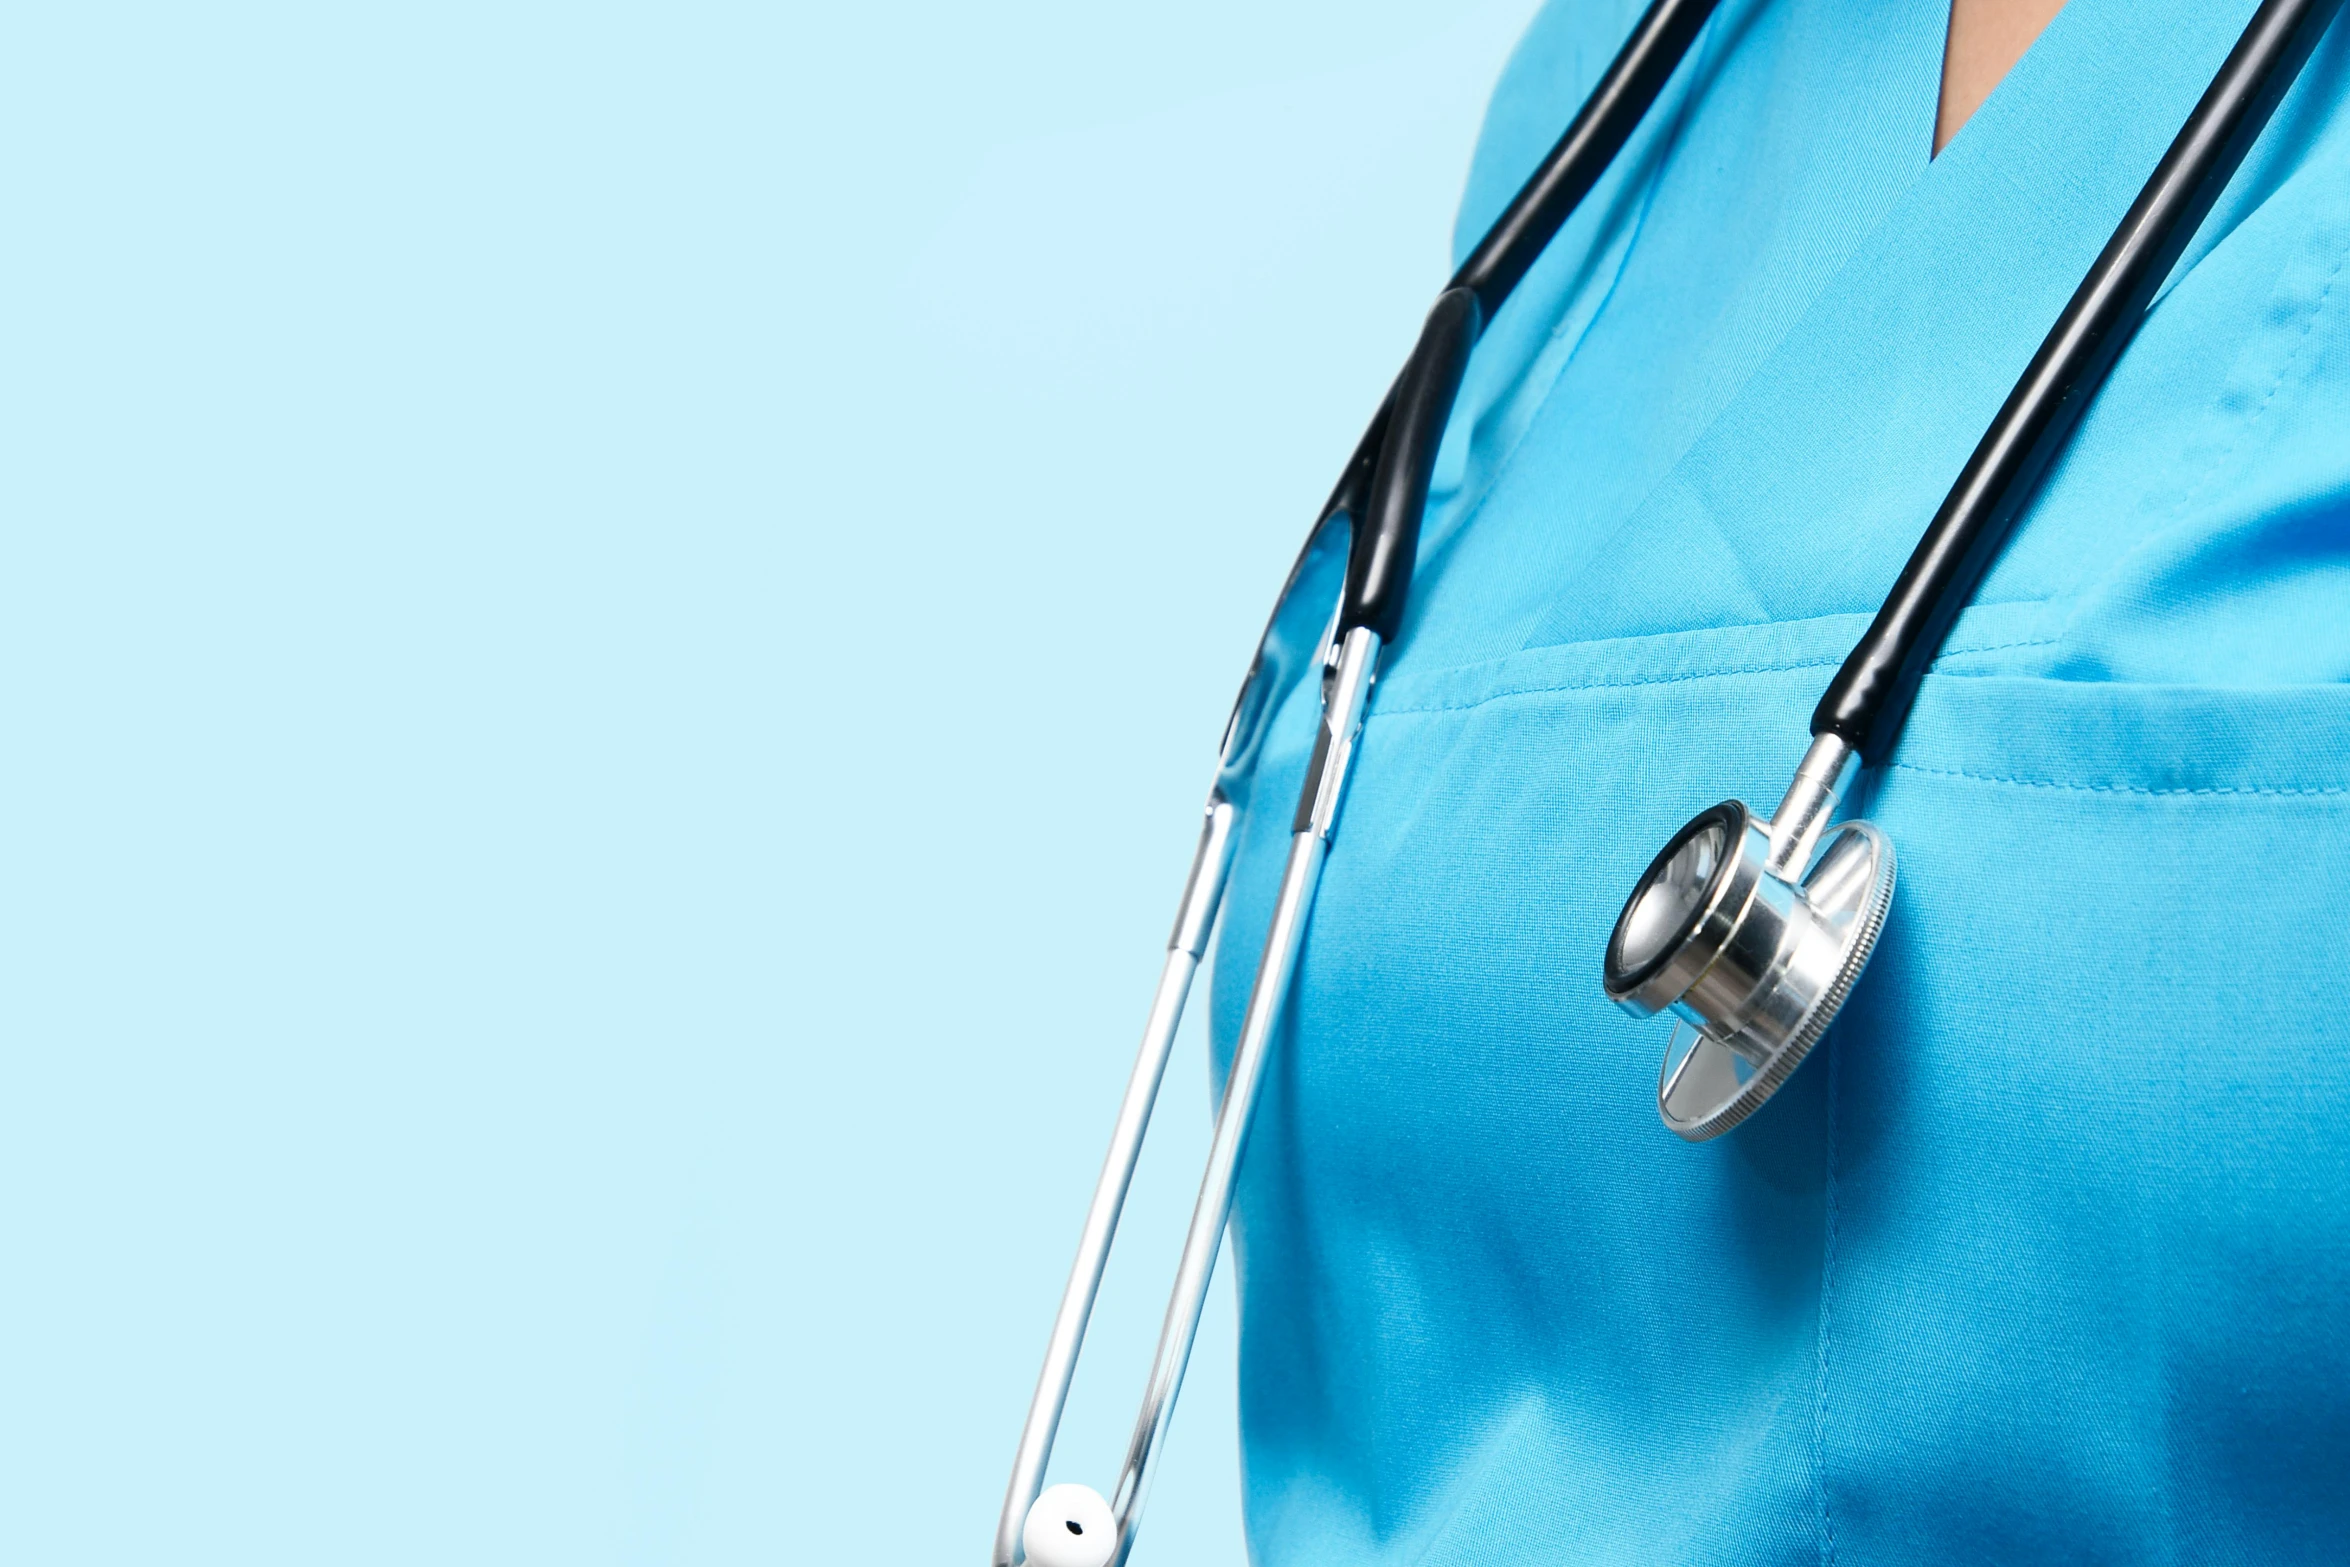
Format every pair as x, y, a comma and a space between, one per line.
1069, 1526
1751, 941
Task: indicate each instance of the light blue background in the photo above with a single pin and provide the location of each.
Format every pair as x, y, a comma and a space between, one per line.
611, 626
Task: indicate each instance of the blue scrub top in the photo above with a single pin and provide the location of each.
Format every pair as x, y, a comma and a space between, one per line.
2045, 1254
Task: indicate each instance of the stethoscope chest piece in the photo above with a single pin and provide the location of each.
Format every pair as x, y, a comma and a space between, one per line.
1753, 960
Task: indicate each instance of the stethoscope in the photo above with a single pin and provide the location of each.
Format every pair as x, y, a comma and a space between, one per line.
1751, 932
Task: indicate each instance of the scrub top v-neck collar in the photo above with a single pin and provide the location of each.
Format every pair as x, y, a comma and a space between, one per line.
1799, 124
1805, 304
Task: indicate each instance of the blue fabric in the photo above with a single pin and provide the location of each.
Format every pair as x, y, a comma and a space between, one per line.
2045, 1254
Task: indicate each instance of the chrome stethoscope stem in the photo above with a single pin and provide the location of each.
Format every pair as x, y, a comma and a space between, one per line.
1342, 718
1195, 917
1820, 782
1347, 690
1202, 1240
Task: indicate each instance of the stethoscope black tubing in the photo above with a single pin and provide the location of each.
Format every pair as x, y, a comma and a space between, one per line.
1577, 160
1384, 489
1379, 568
1868, 702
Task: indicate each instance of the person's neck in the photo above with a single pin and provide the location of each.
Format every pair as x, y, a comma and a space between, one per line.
1986, 38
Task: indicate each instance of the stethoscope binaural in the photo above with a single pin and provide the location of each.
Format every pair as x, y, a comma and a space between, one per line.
1751, 932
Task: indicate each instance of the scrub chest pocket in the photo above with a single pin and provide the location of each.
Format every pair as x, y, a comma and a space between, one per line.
2046, 1253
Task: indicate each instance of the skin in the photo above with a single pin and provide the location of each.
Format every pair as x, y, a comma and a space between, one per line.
1986, 38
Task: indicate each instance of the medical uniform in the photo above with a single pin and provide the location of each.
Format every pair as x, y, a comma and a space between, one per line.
2045, 1253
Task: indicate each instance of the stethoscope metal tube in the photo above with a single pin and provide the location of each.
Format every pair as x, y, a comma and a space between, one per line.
1752, 942
1288, 641
1380, 499
1301, 877
1203, 892
1378, 574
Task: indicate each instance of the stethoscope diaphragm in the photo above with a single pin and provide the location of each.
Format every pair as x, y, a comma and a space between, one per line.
1752, 959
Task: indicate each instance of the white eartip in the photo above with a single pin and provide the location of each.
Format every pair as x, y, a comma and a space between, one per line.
1070, 1526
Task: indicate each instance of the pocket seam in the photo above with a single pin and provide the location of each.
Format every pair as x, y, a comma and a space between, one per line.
2284, 791
1635, 682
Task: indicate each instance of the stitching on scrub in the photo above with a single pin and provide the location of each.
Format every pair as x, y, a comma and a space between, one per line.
1819, 1427
2289, 792
1668, 680
2239, 429
2324, 296
2285, 364
1997, 647
1604, 685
